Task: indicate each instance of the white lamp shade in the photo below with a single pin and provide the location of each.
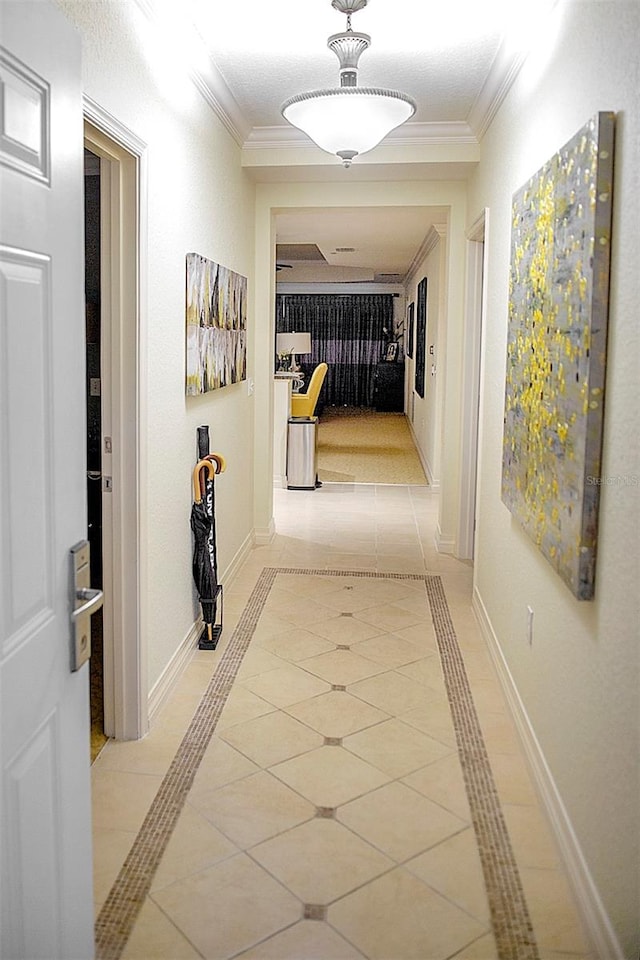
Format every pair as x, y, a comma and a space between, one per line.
348, 120
293, 343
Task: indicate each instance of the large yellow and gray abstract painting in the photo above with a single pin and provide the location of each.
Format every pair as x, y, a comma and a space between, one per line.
216, 325
556, 352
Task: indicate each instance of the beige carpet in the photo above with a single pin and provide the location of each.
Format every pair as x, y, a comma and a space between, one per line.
362, 446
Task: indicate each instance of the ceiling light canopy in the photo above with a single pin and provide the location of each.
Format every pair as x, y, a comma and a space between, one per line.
348, 120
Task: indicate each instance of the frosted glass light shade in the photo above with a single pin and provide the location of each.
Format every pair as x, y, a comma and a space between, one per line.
348, 120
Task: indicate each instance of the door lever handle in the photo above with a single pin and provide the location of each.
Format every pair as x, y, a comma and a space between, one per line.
94, 600
84, 601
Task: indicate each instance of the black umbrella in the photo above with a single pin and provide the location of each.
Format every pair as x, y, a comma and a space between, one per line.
204, 566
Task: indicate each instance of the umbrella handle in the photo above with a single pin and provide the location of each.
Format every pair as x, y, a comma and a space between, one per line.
208, 466
219, 460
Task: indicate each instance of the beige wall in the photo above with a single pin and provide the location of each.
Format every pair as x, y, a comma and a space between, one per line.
578, 682
198, 200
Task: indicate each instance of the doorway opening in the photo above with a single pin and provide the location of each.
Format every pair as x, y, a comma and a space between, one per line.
93, 333
472, 379
114, 226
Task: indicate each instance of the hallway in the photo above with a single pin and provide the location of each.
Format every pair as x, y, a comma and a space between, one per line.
344, 807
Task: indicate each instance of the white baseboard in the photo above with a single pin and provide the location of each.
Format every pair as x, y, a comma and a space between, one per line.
444, 544
173, 670
280, 481
597, 925
434, 482
232, 569
262, 536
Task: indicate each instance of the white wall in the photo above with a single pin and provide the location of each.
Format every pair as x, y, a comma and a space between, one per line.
579, 680
200, 201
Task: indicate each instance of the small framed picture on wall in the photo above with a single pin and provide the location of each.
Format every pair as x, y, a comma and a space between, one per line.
391, 354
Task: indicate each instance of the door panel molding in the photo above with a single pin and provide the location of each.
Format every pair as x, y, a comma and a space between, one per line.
33, 850
25, 119
26, 508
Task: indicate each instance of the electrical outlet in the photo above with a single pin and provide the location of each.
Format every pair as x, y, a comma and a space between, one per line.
250, 387
530, 626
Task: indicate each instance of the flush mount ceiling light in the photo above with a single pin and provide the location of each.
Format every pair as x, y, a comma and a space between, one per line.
348, 120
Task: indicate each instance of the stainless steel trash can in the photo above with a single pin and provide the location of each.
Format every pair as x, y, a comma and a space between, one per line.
302, 439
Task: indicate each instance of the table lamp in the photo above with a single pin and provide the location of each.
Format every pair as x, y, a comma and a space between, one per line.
293, 343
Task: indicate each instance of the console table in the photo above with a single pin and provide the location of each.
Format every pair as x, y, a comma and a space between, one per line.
388, 387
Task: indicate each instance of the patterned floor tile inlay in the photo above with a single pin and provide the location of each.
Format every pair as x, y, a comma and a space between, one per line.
510, 917
127, 895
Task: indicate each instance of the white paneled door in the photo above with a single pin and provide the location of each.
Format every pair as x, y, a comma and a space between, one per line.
45, 844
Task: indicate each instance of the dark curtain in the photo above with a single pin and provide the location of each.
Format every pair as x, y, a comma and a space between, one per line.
347, 332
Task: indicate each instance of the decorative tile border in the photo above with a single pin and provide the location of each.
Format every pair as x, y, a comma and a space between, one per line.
510, 917
127, 895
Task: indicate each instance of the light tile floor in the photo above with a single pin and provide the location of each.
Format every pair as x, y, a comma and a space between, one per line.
328, 818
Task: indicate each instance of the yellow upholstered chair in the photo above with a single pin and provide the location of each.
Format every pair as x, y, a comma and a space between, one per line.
303, 404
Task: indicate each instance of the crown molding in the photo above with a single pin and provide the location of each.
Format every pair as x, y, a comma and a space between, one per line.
409, 134
422, 134
278, 137
217, 94
504, 70
215, 91
364, 286
436, 232
210, 83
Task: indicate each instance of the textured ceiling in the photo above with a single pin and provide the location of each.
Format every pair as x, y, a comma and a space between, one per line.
444, 83
455, 58
440, 54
